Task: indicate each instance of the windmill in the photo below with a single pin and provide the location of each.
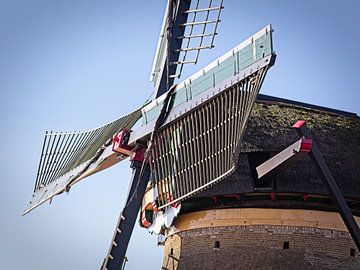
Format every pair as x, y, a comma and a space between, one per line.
190, 131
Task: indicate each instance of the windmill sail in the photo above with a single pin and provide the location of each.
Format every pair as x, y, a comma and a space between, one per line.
197, 146
68, 157
191, 151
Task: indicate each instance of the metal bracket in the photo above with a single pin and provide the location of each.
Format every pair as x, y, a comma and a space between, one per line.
120, 146
120, 143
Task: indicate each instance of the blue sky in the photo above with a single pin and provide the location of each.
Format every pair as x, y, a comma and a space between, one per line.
74, 65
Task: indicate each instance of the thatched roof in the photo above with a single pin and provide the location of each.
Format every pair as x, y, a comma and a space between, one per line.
337, 134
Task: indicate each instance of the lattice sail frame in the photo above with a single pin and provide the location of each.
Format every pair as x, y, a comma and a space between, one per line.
196, 146
200, 32
68, 157
198, 150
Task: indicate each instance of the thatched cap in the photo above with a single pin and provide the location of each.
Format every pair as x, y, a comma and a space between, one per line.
269, 131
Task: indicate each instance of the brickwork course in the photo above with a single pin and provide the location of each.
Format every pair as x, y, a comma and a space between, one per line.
260, 247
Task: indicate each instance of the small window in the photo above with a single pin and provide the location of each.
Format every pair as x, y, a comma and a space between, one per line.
352, 252
172, 251
286, 245
217, 244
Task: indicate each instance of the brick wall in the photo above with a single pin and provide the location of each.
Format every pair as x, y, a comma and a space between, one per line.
260, 247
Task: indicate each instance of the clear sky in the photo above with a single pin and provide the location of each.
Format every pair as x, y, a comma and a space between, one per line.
74, 65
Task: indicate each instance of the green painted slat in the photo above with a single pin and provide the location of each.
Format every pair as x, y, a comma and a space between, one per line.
153, 112
225, 72
205, 82
262, 46
180, 97
248, 55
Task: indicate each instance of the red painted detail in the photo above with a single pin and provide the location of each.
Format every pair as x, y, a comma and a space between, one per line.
120, 145
120, 141
306, 145
144, 221
299, 124
139, 154
273, 196
176, 205
305, 197
155, 207
170, 199
214, 198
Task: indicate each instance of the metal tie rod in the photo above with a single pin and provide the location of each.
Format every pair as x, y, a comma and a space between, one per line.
198, 36
183, 62
175, 75
195, 48
197, 23
203, 9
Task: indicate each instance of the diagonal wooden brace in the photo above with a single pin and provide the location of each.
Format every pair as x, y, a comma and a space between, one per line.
306, 145
287, 156
330, 183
